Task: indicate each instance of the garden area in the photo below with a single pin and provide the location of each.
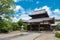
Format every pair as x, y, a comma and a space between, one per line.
6, 14
6, 26
57, 34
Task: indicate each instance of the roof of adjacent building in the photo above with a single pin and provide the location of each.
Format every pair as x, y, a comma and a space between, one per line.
38, 12
55, 24
38, 19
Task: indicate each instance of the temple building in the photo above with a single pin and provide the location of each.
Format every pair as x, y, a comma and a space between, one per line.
40, 21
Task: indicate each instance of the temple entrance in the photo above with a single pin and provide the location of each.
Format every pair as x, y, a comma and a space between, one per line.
45, 27
33, 28
42, 27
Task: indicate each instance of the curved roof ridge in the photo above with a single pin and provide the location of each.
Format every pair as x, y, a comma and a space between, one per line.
38, 12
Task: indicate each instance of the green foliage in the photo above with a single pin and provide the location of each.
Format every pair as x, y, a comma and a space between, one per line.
57, 34
4, 26
5, 7
20, 22
58, 27
25, 26
15, 26
57, 20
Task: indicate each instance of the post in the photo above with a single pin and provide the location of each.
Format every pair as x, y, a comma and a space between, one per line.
30, 27
39, 27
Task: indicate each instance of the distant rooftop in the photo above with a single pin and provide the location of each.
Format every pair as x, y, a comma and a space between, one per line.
38, 12
55, 24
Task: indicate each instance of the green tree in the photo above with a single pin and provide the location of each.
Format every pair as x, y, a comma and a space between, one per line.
20, 22
15, 26
5, 6
25, 26
4, 26
6, 13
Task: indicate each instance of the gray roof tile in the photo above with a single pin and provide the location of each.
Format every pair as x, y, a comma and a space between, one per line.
38, 12
38, 19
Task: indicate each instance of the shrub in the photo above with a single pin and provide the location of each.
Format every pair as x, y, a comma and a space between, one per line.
20, 23
58, 27
4, 26
25, 26
15, 26
57, 34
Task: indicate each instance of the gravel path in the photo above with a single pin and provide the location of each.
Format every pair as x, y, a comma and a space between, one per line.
29, 36
47, 36
19, 36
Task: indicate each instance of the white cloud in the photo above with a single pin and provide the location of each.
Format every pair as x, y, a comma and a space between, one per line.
19, 8
57, 11
29, 11
17, 15
23, 0
16, 0
37, 2
25, 17
51, 13
15, 19
55, 16
37, 9
46, 8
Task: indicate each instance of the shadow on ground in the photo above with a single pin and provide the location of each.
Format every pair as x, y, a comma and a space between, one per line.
8, 38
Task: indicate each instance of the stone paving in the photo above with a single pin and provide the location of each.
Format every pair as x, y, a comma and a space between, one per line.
47, 36
19, 36
7, 36
29, 36
2, 35
38, 36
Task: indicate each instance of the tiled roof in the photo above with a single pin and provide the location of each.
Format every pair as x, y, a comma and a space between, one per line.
55, 24
38, 19
38, 12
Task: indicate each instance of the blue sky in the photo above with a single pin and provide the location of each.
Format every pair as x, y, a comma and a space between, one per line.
25, 7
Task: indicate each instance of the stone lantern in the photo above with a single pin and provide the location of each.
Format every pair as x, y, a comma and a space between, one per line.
22, 28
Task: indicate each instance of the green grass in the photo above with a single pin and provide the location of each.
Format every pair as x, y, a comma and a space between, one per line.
57, 34
57, 20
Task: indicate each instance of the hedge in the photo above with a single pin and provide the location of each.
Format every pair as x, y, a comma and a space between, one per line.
57, 34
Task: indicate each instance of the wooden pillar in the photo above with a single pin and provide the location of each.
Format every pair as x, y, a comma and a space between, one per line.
30, 28
50, 26
39, 27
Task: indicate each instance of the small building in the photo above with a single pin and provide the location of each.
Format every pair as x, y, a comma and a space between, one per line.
40, 21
